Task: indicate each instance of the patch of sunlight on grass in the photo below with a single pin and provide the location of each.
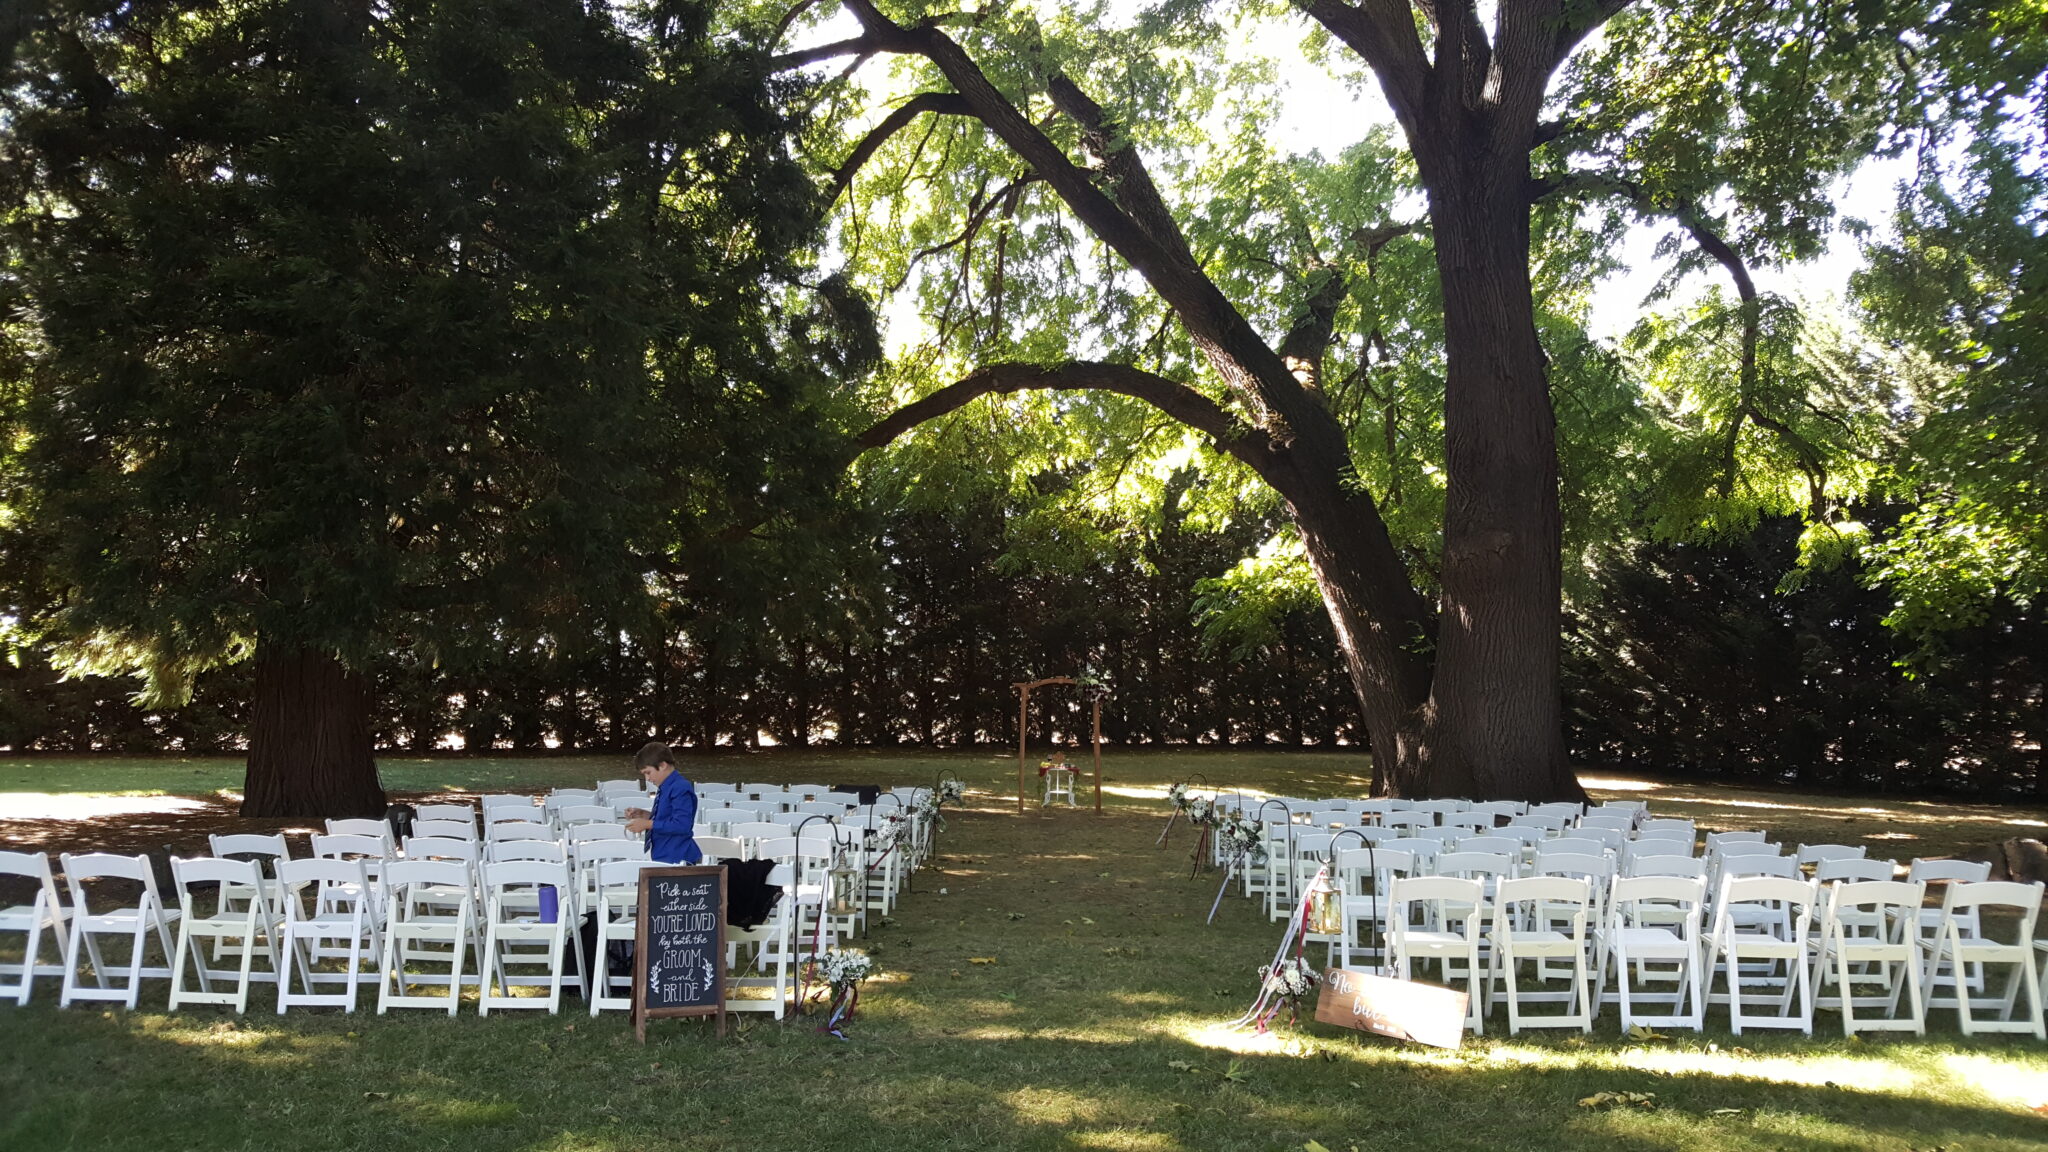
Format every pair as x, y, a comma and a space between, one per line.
1128, 792
1052, 1106
1220, 1035
90, 806
2029, 823
1124, 1140
1998, 1079
1155, 999
1615, 784
458, 1113
1813, 1071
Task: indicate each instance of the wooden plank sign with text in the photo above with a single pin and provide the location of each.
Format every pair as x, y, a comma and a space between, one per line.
1402, 1009
679, 946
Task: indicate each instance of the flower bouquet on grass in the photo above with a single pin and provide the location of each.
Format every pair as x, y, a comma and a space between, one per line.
843, 970
1288, 982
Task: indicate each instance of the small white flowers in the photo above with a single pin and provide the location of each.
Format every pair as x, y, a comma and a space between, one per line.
1241, 837
845, 968
1291, 979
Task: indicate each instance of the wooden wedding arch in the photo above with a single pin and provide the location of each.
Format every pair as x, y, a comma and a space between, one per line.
1024, 734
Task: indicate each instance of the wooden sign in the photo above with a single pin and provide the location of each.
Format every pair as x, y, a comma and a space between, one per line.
679, 946
1402, 1009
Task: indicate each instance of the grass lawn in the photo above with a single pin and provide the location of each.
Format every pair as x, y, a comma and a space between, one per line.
1098, 1026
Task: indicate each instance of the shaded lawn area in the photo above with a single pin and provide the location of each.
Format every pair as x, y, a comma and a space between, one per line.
1098, 1026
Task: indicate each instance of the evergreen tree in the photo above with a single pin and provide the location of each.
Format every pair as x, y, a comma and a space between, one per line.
342, 327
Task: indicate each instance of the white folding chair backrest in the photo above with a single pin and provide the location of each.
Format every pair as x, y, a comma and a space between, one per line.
582, 833
1618, 821
1926, 871
359, 826
623, 802
1562, 808
462, 812
1690, 867
1474, 865
1551, 822
268, 850
513, 814
1497, 845
517, 830
1442, 806
1574, 845
445, 829
443, 848
1509, 808
568, 797
1830, 871
1783, 867
1716, 841
517, 803
519, 851
1409, 819
1638, 849
570, 815
1815, 853
716, 848
1422, 850
606, 789
348, 846
1443, 834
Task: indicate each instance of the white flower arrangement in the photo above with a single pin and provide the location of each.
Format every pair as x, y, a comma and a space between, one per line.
951, 792
1201, 812
1240, 837
1291, 980
845, 968
1178, 797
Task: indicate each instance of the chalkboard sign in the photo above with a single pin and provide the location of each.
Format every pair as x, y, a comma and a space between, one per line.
679, 946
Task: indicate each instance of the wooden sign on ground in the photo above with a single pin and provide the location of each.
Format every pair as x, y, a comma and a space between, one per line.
1402, 1009
679, 946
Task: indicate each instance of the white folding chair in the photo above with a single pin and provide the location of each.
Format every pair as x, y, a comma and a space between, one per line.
1771, 954
328, 915
430, 920
137, 922
615, 888
519, 935
1543, 919
589, 856
1869, 935
769, 951
45, 911
2019, 906
1654, 920
248, 922
360, 826
1424, 910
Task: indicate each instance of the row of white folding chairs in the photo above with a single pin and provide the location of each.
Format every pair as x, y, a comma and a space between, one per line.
1868, 933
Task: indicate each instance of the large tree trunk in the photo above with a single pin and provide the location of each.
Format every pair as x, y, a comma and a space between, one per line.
1493, 725
310, 752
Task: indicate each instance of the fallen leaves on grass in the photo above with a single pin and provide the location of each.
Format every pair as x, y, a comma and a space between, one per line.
1645, 1033
981, 959
1619, 1100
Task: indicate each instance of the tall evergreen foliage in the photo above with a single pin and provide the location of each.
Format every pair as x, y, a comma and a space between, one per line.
341, 328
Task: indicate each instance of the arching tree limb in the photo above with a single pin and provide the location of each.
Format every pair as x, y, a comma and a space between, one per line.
937, 103
1175, 399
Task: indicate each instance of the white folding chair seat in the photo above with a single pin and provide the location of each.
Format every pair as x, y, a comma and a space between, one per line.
430, 920
1868, 936
1654, 921
1542, 920
1425, 908
136, 922
45, 912
2018, 907
519, 937
329, 916
1768, 955
250, 923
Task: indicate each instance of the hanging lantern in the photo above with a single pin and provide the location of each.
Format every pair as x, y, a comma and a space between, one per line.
844, 879
1325, 906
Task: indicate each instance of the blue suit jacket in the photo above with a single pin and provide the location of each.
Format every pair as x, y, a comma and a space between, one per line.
671, 839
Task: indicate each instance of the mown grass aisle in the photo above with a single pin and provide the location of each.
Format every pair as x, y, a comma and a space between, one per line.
1097, 1024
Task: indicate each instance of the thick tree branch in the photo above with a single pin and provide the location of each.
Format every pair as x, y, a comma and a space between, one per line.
1382, 32
803, 57
937, 103
1749, 372
1152, 245
1175, 399
1580, 18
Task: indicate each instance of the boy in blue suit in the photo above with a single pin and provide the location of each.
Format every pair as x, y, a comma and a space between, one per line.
671, 826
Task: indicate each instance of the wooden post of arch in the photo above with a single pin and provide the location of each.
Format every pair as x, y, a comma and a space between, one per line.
1024, 737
